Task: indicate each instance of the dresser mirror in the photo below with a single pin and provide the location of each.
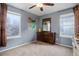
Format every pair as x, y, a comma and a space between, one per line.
46, 24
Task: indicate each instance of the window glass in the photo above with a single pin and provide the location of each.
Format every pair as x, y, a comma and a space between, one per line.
13, 24
67, 25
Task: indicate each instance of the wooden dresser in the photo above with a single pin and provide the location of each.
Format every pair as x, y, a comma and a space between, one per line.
45, 36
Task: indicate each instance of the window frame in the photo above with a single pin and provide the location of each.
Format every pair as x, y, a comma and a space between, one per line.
63, 15
19, 34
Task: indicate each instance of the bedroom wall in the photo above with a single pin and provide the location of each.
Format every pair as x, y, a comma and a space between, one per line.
27, 35
55, 25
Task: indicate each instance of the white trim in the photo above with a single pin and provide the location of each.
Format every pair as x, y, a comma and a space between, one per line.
15, 46
19, 35
14, 13
66, 36
12, 37
64, 45
63, 15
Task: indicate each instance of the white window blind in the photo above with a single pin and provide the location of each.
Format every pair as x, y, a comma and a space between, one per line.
67, 25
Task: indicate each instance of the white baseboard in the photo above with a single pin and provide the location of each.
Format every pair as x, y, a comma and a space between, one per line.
64, 45
15, 46
30, 43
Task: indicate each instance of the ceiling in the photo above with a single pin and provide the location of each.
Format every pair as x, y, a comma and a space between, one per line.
47, 9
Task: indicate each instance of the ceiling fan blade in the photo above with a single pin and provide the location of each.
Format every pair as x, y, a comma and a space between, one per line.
32, 7
48, 4
41, 8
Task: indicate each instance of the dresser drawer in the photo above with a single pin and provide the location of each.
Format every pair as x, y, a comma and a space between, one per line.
48, 37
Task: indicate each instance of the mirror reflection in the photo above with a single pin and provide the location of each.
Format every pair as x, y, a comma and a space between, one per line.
47, 24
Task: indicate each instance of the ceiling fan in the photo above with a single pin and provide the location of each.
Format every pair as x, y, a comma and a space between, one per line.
40, 5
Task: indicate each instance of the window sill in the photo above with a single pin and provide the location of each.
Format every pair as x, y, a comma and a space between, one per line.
66, 36
19, 36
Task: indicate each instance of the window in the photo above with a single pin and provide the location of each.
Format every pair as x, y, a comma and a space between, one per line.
13, 25
67, 25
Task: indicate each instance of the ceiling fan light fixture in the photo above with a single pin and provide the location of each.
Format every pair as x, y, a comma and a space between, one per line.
39, 5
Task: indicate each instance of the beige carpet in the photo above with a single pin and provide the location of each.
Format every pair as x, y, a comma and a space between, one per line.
39, 49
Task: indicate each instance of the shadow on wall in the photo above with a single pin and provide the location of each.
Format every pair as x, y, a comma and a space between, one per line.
28, 35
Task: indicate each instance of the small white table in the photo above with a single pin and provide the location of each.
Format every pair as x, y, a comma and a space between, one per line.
75, 47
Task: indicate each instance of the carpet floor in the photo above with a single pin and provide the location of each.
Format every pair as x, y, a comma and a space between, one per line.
39, 49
